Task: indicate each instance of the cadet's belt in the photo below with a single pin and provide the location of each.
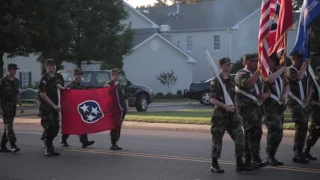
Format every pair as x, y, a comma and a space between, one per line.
276, 98
297, 99
248, 95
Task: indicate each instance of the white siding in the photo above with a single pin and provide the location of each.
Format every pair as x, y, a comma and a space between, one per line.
201, 39
146, 62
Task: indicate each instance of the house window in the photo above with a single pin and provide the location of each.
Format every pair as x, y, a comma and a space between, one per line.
189, 43
216, 42
25, 79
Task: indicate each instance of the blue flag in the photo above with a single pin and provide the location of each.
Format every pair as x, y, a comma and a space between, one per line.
310, 10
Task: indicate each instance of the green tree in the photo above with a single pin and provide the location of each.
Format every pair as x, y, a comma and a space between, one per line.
98, 33
33, 27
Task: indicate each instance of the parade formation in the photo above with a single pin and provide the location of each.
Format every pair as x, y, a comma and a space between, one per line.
259, 93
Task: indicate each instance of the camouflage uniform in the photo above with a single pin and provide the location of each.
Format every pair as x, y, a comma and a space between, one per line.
50, 116
251, 113
115, 133
314, 132
223, 120
9, 89
298, 112
83, 137
273, 118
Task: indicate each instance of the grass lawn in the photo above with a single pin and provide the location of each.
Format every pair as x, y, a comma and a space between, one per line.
173, 100
182, 117
29, 104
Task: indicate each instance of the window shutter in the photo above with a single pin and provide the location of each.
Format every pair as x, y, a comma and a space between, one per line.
30, 79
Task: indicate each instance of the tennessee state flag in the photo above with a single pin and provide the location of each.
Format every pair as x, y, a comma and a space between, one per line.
89, 111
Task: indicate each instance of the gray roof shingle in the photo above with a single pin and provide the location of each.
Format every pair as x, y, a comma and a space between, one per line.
204, 15
142, 34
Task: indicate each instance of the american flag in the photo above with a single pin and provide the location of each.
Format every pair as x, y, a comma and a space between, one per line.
264, 30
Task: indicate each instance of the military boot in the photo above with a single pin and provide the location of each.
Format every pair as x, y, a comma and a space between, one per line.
215, 166
307, 154
14, 148
256, 161
299, 158
272, 160
87, 143
3, 148
63, 141
241, 167
49, 149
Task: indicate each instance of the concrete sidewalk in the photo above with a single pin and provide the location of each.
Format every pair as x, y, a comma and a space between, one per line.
152, 126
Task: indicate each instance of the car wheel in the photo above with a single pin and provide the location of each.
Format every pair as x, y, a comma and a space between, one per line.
142, 103
205, 98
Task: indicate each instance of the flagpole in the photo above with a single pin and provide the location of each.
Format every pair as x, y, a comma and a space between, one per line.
307, 57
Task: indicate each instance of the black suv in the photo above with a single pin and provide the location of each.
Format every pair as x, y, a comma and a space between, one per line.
138, 96
200, 91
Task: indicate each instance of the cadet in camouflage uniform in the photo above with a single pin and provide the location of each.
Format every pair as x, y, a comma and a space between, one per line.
75, 84
249, 94
314, 129
9, 97
115, 133
49, 83
225, 118
274, 108
297, 105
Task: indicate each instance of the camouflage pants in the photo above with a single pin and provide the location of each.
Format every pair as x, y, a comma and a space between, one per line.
83, 137
49, 122
115, 133
273, 118
314, 133
300, 118
252, 118
230, 122
8, 133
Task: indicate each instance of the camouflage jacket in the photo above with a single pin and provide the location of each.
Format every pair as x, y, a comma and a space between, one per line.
48, 85
122, 89
8, 93
291, 77
241, 77
75, 85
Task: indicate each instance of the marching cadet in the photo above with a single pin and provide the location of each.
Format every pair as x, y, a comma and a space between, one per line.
249, 88
115, 133
9, 97
225, 118
274, 108
314, 129
49, 83
75, 84
297, 102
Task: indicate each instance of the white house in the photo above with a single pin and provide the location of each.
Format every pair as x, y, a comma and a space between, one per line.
227, 28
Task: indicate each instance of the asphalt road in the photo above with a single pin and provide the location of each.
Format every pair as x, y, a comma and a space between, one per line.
155, 107
147, 155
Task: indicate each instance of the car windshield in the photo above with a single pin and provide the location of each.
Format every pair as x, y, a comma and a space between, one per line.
68, 77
